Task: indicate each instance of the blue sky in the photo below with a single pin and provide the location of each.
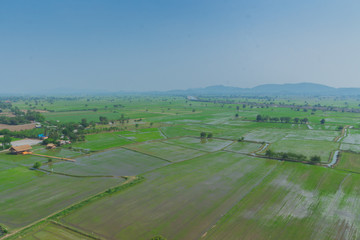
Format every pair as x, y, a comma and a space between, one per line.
161, 45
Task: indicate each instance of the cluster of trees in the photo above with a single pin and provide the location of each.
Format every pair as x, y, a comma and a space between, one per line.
64, 131
263, 118
204, 135
5, 105
292, 156
22, 117
5, 141
4, 231
30, 133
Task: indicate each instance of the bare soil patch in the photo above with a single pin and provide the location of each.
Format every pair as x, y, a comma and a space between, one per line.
17, 127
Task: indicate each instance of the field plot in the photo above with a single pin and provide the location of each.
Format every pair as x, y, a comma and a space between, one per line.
313, 135
209, 145
102, 141
58, 152
179, 201
266, 135
142, 135
349, 161
166, 151
350, 147
96, 142
119, 162
178, 131
296, 202
54, 232
306, 147
353, 137
23, 160
26, 196
244, 147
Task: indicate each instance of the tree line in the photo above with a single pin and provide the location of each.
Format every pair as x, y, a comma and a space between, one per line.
265, 118
292, 156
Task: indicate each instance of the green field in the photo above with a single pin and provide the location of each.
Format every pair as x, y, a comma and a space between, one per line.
179, 201
27, 196
349, 161
147, 172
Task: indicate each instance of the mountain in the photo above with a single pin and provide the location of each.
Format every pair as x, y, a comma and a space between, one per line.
303, 89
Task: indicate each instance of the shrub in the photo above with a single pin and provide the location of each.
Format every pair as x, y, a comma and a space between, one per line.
37, 165
158, 237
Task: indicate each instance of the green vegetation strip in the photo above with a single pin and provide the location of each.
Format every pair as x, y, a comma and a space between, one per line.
131, 181
77, 231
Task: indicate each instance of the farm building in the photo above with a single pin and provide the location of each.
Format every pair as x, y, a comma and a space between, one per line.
50, 146
23, 149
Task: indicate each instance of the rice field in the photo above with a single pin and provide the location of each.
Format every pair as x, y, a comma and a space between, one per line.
192, 187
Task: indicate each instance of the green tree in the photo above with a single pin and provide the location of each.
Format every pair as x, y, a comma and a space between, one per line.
209, 135
37, 165
203, 134
322, 121
315, 159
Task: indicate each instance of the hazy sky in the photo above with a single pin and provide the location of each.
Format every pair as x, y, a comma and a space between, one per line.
160, 45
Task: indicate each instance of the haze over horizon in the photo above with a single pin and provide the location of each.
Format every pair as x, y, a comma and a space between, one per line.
165, 45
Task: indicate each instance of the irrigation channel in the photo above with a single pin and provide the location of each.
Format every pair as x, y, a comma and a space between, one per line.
334, 159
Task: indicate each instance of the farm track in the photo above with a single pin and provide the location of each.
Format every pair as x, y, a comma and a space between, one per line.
81, 176
228, 211
129, 180
60, 158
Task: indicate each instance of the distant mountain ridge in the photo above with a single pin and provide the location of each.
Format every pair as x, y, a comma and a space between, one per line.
287, 89
270, 89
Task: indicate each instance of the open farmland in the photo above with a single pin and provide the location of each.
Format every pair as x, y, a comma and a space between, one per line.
145, 171
180, 200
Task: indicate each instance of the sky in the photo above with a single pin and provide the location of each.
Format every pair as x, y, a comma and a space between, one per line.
135, 45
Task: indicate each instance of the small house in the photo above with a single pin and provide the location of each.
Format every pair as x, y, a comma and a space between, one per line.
22, 149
